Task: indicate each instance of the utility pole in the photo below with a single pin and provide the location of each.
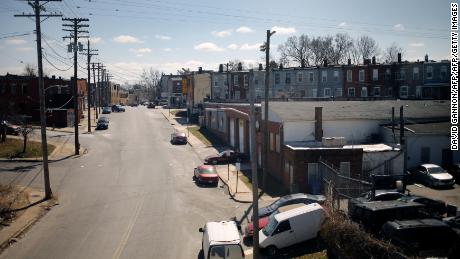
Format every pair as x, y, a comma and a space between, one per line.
89, 55
75, 24
95, 90
99, 84
109, 87
255, 182
266, 48
228, 84
37, 7
402, 139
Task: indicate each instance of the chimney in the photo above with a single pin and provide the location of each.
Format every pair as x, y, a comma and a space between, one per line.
240, 66
221, 68
366, 61
281, 66
399, 57
349, 61
302, 63
373, 60
53, 77
318, 123
200, 70
426, 58
261, 67
325, 63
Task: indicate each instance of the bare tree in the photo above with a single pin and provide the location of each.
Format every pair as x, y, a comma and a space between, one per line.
30, 70
295, 50
321, 49
366, 47
391, 53
25, 129
233, 65
343, 44
184, 71
151, 78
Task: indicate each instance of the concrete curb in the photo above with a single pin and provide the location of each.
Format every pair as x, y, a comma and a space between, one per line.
83, 151
232, 196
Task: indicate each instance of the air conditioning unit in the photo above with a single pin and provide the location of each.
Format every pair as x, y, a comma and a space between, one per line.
333, 141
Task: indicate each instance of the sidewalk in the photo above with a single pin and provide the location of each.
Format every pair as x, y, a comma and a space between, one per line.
238, 190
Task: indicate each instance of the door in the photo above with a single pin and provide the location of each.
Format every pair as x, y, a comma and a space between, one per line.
447, 157
283, 236
232, 132
418, 92
241, 135
313, 179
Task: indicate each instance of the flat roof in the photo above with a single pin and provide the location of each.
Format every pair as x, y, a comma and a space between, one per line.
307, 145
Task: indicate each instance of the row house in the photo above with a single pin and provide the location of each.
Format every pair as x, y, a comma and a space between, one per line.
174, 89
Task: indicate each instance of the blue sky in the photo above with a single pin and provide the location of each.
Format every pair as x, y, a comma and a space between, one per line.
170, 35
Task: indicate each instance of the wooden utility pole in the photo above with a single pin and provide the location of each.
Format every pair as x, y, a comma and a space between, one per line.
37, 7
96, 96
75, 24
89, 55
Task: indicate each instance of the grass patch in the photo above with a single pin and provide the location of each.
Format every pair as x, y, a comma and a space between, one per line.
11, 198
205, 136
13, 148
317, 255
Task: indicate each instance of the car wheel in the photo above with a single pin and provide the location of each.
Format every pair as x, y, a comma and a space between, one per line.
271, 250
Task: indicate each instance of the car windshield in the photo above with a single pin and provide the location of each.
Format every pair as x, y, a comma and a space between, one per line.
270, 227
210, 170
435, 170
277, 204
223, 153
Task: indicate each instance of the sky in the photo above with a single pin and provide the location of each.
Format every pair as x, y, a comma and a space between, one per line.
134, 35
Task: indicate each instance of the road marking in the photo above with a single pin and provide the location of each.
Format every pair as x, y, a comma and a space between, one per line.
126, 235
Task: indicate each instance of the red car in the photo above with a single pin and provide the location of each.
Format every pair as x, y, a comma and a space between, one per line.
249, 230
206, 174
224, 157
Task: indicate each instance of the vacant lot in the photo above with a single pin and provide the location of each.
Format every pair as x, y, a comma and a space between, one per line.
11, 198
13, 148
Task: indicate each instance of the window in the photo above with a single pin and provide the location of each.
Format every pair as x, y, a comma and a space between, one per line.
351, 91
429, 72
277, 140
13, 88
387, 74
277, 78
364, 91
299, 77
288, 78
415, 73
375, 74
376, 91
272, 141
443, 73
323, 76
312, 176
216, 83
336, 75
237, 95
349, 75
245, 80
425, 154
315, 92
327, 92
2, 88
404, 91
282, 227
235, 80
256, 80
390, 91
310, 75
361, 75
345, 168
338, 92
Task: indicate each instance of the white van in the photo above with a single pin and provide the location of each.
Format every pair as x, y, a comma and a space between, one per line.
221, 240
291, 227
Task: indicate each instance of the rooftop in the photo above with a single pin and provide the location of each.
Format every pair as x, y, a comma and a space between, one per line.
310, 145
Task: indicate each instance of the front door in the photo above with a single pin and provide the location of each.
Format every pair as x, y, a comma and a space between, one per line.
313, 179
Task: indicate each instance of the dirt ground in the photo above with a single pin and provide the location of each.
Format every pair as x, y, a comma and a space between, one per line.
11, 198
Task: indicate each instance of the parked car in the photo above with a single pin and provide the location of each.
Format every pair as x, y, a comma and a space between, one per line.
432, 208
291, 199
249, 230
106, 110
11, 129
206, 174
421, 237
380, 195
225, 157
221, 240
118, 108
102, 123
433, 176
151, 105
291, 227
178, 138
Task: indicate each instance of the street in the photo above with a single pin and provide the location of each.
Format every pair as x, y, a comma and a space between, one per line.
130, 196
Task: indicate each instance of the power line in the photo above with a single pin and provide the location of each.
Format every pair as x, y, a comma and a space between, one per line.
49, 62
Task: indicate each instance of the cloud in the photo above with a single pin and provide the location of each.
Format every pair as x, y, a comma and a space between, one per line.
16, 41
162, 37
246, 46
232, 46
167, 49
244, 29
417, 44
24, 49
222, 34
284, 30
398, 27
141, 50
208, 46
126, 39
139, 55
95, 40
343, 24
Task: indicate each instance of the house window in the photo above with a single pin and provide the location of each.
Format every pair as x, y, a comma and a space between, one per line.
24, 88
256, 80
429, 72
323, 76
425, 155
314, 92
245, 80
361, 75
415, 73
387, 74
277, 140
376, 91
2, 88
363, 91
345, 169
390, 91
277, 78
13, 88
327, 92
351, 91
338, 92
404, 91
443, 72
402, 74
299, 77
349, 75
272, 141
336, 75
288, 78
216, 83
237, 95
310, 75
375, 74
235, 80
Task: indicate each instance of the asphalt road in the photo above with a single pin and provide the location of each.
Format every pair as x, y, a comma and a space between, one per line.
131, 196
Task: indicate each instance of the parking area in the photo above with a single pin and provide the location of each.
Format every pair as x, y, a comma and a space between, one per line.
450, 196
